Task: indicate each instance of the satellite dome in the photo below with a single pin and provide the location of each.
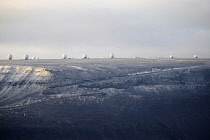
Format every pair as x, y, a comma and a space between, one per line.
84, 56
64, 56
171, 56
195, 56
25, 57
10, 57
111, 55
34, 58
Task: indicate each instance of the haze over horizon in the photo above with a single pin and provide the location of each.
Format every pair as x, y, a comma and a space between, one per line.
49, 28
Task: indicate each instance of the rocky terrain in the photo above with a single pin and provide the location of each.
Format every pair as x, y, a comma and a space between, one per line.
105, 99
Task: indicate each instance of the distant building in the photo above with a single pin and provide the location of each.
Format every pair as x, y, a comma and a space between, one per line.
195, 56
111, 55
25, 57
9, 57
171, 56
64, 56
34, 58
84, 56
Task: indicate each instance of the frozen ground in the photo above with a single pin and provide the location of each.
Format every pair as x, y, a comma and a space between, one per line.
105, 99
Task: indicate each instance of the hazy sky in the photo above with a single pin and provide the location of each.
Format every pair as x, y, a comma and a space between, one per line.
49, 28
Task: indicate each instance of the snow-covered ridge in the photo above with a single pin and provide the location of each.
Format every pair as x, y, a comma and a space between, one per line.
26, 82
155, 70
39, 71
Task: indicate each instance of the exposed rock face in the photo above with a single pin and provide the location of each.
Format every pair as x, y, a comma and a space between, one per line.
105, 99
25, 70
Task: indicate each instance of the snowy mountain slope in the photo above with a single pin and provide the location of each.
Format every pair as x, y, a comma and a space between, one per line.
105, 99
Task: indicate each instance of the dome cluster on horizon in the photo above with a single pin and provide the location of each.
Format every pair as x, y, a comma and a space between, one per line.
64, 56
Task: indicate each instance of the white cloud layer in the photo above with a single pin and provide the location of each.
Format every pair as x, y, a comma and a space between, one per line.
47, 28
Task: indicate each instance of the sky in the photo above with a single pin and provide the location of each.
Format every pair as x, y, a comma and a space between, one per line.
49, 28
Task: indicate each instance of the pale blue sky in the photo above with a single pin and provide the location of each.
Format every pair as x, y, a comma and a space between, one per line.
127, 28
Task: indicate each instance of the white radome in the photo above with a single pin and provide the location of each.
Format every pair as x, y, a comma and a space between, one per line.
111, 55
171, 56
10, 57
25, 57
34, 58
84, 56
195, 56
64, 56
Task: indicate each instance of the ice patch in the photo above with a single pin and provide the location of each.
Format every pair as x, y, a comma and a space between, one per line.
139, 73
79, 68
